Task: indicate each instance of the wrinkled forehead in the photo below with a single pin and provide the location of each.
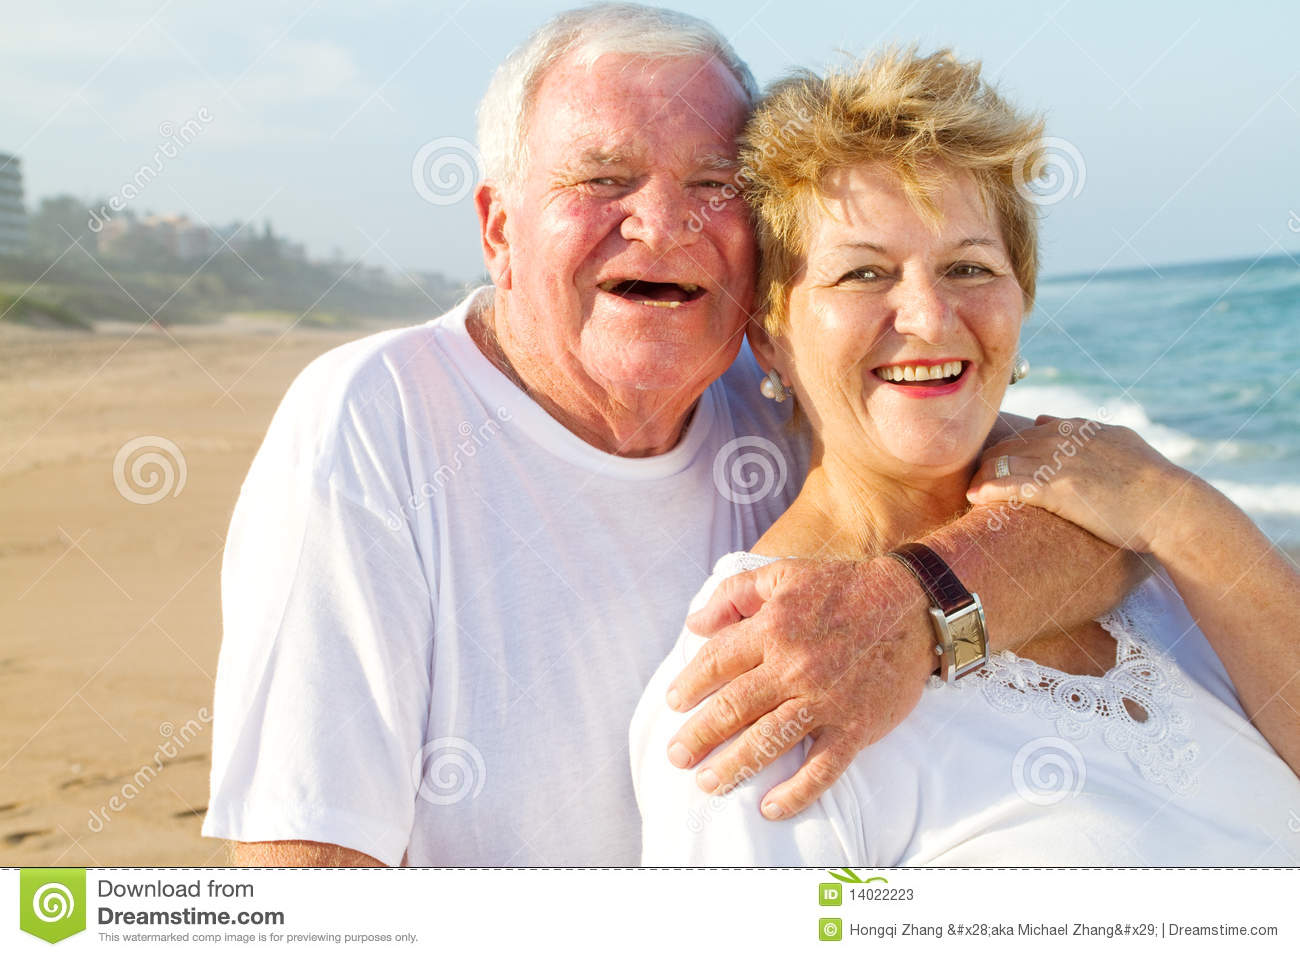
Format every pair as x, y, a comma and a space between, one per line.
942, 200
626, 107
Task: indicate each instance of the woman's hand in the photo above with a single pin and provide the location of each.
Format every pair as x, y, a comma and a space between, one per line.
1103, 478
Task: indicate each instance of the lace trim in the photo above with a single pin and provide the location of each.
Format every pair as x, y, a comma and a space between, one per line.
1160, 747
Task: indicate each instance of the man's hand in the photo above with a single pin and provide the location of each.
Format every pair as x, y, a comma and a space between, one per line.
837, 650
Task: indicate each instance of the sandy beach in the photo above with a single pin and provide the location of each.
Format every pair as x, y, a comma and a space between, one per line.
109, 598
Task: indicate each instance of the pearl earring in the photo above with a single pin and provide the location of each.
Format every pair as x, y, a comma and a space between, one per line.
772, 387
1019, 368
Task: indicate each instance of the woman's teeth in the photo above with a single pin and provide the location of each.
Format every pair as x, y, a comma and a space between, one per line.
919, 373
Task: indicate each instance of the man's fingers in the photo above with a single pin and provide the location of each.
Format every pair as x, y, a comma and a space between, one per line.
827, 759
766, 740
722, 659
737, 598
724, 714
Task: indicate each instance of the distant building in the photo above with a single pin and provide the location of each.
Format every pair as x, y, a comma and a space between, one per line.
176, 233
13, 215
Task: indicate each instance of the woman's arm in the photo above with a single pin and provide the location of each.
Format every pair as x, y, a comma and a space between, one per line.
1242, 592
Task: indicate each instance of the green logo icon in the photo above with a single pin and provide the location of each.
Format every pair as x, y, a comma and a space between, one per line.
830, 928
52, 902
830, 895
848, 876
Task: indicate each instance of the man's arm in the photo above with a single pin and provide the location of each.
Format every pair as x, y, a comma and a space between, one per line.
297, 854
848, 645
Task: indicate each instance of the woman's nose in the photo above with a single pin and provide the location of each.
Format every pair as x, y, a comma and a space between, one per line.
921, 309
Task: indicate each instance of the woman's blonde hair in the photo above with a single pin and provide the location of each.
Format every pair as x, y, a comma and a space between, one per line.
912, 114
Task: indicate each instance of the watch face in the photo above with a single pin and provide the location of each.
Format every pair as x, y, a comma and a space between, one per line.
968, 643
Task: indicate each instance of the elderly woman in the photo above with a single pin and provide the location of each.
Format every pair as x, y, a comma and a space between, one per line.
899, 261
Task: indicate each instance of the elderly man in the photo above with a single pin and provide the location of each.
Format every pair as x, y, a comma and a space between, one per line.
465, 546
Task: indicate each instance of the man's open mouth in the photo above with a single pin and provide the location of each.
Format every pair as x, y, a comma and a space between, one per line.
940, 373
668, 295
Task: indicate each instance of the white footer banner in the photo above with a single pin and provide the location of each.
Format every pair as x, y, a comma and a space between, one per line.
662, 912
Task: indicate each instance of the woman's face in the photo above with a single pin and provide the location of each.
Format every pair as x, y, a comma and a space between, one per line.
901, 335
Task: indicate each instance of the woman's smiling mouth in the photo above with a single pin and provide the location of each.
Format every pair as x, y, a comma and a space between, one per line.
924, 374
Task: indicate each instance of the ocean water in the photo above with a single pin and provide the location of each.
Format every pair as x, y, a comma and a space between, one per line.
1203, 360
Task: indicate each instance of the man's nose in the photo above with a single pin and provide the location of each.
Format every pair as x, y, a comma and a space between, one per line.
659, 214
921, 308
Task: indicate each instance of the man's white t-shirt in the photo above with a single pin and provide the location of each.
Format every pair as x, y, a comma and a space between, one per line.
1016, 765
441, 607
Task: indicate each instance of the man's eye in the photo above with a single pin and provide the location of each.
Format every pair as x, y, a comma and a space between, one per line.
713, 184
602, 181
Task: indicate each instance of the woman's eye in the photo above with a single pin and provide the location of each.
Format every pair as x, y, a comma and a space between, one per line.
969, 270
602, 181
865, 273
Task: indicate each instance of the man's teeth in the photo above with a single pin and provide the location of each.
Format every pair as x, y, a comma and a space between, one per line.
919, 373
689, 288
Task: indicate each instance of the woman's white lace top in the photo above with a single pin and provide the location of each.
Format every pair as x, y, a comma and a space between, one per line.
1153, 763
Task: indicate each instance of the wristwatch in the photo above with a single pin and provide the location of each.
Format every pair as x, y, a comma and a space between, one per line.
963, 644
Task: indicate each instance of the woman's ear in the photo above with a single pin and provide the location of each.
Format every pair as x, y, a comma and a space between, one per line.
762, 344
489, 202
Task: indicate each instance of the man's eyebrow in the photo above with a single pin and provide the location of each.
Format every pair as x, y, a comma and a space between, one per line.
718, 161
594, 159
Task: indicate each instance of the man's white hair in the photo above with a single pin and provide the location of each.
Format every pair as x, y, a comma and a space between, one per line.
588, 33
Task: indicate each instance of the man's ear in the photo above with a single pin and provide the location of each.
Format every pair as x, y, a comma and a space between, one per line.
489, 201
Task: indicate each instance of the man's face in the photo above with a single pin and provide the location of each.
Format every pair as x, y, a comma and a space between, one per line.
628, 249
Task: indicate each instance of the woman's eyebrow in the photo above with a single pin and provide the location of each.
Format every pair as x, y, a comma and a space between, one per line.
960, 244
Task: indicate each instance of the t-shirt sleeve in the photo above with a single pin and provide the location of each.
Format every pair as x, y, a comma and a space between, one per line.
323, 681
683, 826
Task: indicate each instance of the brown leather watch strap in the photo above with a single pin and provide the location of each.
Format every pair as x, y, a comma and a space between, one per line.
940, 583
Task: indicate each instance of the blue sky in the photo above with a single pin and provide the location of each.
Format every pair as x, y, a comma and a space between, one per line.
1186, 117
